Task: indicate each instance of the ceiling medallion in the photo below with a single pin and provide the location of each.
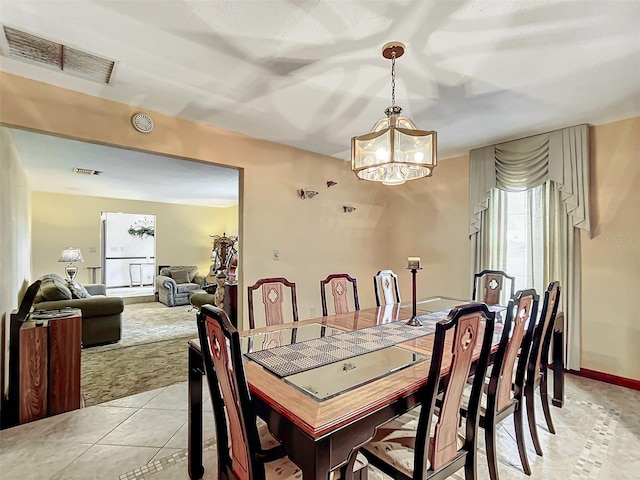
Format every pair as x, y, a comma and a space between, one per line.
395, 150
142, 122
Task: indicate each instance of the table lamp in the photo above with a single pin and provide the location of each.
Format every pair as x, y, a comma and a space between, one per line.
71, 256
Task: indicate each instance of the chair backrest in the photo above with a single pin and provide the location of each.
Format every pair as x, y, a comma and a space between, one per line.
492, 282
232, 408
467, 322
339, 291
191, 271
273, 300
542, 334
515, 342
385, 286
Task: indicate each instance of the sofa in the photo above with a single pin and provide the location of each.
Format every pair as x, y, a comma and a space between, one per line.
175, 284
101, 315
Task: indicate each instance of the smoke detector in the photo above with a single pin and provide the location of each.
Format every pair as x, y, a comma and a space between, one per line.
142, 122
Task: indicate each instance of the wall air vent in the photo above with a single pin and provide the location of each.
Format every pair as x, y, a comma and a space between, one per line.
86, 171
25, 46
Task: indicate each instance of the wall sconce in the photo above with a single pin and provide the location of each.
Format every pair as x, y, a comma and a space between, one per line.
331, 183
302, 193
348, 209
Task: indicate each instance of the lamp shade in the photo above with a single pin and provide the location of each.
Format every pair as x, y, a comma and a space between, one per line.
394, 151
71, 255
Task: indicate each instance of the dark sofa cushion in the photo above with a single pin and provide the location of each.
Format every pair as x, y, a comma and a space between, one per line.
78, 291
53, 287
181, 275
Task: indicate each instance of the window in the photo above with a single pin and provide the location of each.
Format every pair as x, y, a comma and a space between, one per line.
523, 223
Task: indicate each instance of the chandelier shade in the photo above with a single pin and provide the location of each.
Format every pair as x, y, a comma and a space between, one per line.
395, 150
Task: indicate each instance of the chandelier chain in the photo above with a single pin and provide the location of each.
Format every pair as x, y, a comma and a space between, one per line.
393, 79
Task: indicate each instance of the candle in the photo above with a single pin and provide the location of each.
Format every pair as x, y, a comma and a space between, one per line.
414, 262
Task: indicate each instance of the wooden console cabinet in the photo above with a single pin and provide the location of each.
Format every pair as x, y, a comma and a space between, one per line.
49, 365
231, 302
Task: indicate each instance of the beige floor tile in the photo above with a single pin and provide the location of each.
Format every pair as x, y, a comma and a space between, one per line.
181, 438
92, 465
87, 425
173, 397
28, 431
135, 401
179, 471
37, 458
60, 445
147, 427
165, 452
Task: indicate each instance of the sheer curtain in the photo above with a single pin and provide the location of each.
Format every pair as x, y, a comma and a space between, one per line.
548, 174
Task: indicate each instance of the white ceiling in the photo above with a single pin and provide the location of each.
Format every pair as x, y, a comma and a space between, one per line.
48, 162
310, 73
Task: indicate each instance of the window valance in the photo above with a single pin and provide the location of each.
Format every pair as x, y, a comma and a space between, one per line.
561, 156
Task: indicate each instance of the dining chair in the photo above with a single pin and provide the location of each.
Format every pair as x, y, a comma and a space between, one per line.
537, 371
385, 286
503, 394
272, 290
339, 292
418, 445
246, 448
492, 282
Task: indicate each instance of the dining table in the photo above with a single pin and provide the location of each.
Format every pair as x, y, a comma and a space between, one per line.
320, 408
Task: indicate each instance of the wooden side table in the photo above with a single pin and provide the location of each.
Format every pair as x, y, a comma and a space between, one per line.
49, 363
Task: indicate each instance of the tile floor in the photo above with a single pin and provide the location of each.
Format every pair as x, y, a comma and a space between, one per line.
145, 437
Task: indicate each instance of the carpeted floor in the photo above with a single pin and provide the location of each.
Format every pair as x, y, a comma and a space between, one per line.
117, 373
151, 354
152, 322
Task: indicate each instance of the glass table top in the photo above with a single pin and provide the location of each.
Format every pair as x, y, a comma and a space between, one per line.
285, 336
330, 380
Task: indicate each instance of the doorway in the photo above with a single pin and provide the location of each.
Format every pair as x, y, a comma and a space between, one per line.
128, 253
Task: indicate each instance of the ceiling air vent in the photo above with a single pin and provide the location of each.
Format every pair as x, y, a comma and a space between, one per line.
25, 46
86, 171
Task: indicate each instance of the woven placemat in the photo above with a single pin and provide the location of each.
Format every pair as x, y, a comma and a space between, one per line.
291, 359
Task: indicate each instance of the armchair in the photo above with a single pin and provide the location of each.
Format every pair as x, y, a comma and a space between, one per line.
175, 284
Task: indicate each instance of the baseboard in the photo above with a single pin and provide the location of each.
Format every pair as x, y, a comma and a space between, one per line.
140, 299
607, 378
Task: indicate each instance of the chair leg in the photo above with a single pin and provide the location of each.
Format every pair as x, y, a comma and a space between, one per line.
544, 397
490, 444
522, 449
471, 465
363, 474
531, 417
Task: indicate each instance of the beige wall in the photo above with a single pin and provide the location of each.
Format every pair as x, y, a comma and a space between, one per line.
314, 236
611, 258
15, 221
426, 218
429, 219
182, 231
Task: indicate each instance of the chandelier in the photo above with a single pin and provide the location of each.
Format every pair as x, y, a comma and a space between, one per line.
395, 150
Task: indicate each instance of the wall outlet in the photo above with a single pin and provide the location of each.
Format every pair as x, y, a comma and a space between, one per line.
276, 255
